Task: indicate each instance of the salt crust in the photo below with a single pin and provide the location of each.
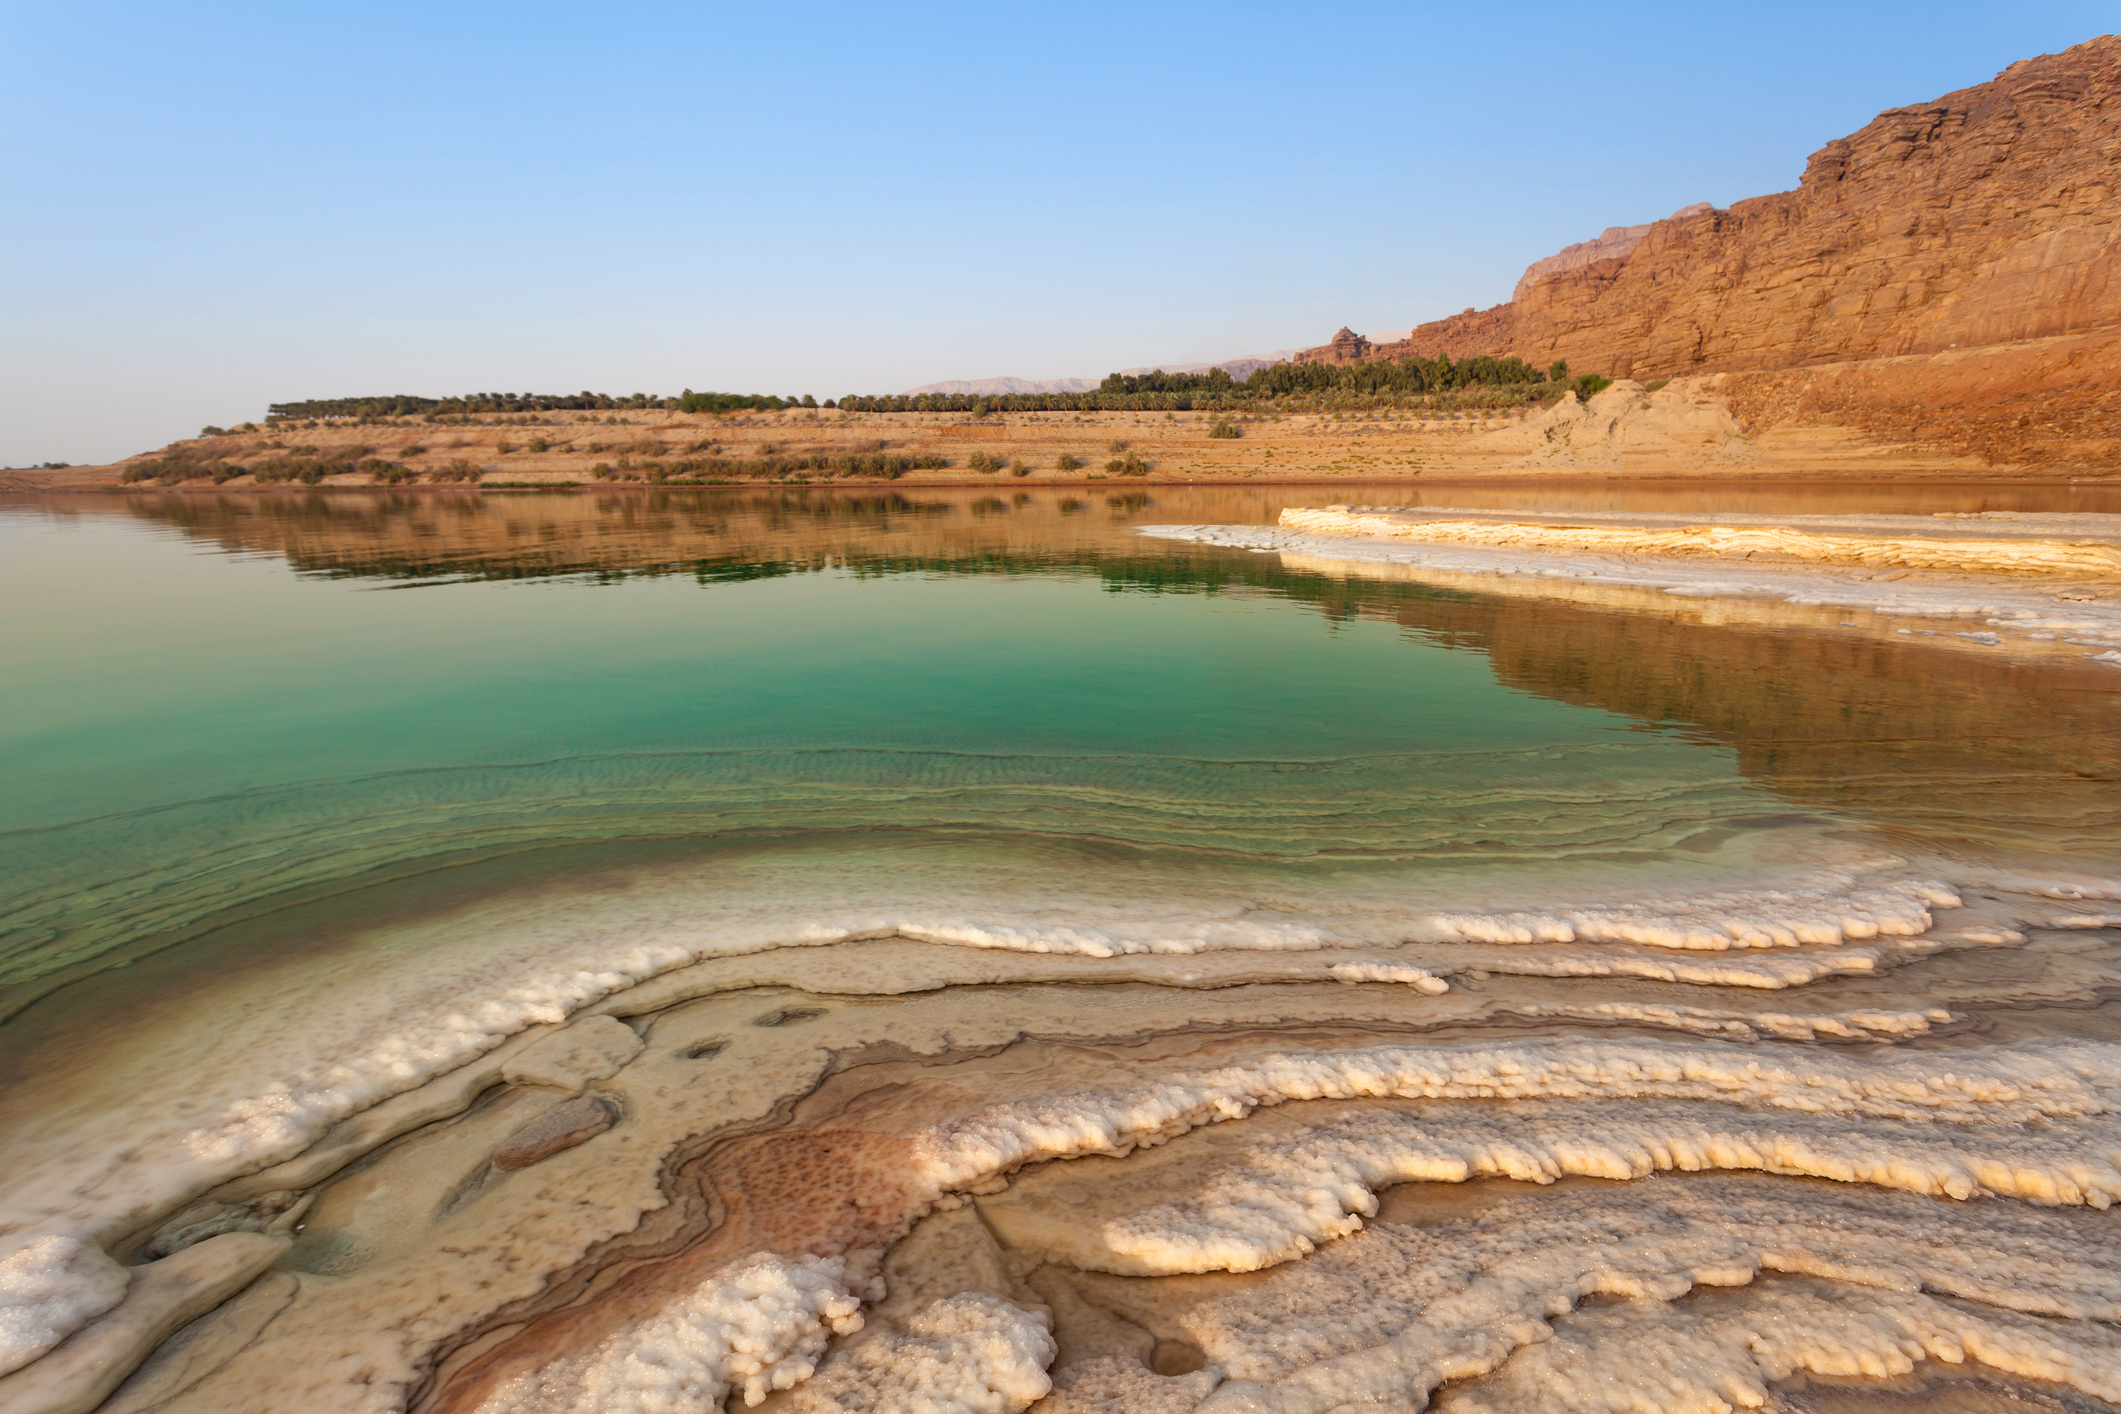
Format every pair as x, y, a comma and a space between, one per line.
1804, 539
436, 1028
972, 1353
1718, 1021
1279, 1201
1386, 1316
2069, 1087
78, 1374
758, 1326
1735, 1358
49, 1287
1805, 927
1859, 1119
2022, 607
1420, 979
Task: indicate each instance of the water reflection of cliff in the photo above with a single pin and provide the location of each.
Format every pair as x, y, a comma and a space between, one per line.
2011, 752
1945, 743
506, 536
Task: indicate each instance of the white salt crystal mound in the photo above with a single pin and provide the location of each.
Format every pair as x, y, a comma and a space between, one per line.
1420, 979
1388, 1315
50, 1287
306, 1061
2069, 1088
1874, 542
972, 1353
1822, 916
314, 1064
2011, 590
759, 1326
1687, 1364
1279, 1201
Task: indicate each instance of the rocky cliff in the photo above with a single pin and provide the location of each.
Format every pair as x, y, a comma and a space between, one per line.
1614, 243
1986, 219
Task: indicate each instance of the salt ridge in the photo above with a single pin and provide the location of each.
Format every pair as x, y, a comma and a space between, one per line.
2023, 610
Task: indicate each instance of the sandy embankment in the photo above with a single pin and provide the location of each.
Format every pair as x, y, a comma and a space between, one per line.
1685, 428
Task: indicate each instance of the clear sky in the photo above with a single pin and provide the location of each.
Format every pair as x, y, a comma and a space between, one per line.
213, 206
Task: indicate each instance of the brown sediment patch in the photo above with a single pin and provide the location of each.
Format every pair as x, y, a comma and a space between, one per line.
823, 1193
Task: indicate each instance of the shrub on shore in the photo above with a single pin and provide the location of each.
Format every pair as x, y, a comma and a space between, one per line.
984, 464
1128, 465
1225, 428
1065, 462
722, 470
174, 467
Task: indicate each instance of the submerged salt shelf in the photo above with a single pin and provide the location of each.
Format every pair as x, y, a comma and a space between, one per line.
975, 956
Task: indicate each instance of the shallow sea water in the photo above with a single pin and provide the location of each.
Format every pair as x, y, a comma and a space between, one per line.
211, 700
313, 796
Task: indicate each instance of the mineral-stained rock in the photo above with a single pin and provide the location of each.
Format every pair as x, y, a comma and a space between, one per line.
560, 1128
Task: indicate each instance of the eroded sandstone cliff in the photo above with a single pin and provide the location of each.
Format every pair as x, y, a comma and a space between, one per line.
1985, 220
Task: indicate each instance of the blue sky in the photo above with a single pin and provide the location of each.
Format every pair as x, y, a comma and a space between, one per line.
216, 206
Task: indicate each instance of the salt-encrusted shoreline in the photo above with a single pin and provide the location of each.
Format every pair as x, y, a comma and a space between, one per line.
1946, 1122
2046, 585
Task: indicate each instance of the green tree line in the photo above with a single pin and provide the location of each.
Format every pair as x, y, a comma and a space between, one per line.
467, 404
1387, 380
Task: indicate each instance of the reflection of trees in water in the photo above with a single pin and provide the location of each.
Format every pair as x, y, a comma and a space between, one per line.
427, 536
1941, 742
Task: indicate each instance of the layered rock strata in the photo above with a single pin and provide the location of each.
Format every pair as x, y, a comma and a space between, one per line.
1983, 220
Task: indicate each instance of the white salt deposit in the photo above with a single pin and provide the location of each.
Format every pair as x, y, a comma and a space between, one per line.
1875, 1285
49, 1286
1283, 1199
2068, 1087
972, 1353
1875, 542
1680, 1361
2009, 584
1420, 979
306, 1059
759, 1326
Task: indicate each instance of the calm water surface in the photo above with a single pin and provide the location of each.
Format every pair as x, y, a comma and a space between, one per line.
220, 708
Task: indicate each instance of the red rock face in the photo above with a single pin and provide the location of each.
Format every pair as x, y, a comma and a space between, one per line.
1985, 217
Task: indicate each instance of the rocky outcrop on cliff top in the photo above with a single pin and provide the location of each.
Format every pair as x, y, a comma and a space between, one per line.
1985, 217
1614, 243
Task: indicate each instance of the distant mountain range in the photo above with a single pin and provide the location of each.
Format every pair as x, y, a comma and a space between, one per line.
1239, 368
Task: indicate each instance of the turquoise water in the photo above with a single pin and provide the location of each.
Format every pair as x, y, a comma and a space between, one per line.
212, 702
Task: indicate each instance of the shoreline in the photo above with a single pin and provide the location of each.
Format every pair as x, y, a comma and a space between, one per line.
597, 1050
1689, 428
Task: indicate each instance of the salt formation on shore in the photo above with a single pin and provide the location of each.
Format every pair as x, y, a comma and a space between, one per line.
725, 1130
2028, 584
1727, 1287
1639, 1087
